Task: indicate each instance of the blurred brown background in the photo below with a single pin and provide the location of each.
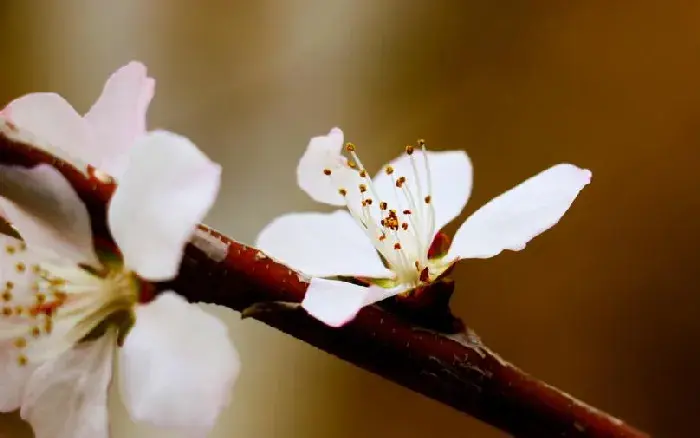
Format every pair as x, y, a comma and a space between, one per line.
605, 305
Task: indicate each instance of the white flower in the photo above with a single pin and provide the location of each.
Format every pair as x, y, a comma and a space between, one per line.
388, 235
67, 302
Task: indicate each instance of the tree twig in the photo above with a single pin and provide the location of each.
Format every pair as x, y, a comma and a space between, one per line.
457, 370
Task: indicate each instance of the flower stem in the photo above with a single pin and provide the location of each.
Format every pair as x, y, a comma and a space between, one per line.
457, 370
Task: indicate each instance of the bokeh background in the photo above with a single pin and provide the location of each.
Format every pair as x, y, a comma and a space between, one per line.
604, 306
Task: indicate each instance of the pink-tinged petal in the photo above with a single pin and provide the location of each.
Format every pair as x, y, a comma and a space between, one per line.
67, 397
512, 219
177, 366
324, 154
53, 121
47, 212
336, 302
322, 245
13, 377
451, 176
118, 117
167, 189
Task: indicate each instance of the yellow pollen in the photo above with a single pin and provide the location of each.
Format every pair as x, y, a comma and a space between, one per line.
352, 165
350, 147
363, 173
400, 181
389, 170
409, 149
21, 267
428, 199
327, 172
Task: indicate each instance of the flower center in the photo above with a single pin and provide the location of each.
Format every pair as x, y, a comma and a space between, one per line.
399, 217
47, 308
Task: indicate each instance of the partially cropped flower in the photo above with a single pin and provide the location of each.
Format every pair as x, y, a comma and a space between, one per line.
70, 303
388, 235
104, 135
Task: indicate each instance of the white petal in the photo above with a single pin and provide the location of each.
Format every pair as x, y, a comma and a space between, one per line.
322, 245
177, 366
50, 118
47, 212
167, 189
512, 219
451, 176
323, 152
67, 397
13, 377
118, 117
336, 302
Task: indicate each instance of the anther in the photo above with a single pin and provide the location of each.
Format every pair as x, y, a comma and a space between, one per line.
421, 142
352, 165
363, 188
7, 311
389, 170
428, 199
425, 275
40, 298
383, 205
36, 332
407, 212
400, 181
363, 173
20, 342
21, 267
327, 172
9, 285
342, 192
7, 296
404, 226
409, 149
22, 360
397, 246
10, 249
350, 147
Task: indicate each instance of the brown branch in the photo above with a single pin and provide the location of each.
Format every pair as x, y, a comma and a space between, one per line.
457, 370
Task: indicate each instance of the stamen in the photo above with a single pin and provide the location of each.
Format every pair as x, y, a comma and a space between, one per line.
389, 170
397, 246
400, 182
404, 226
342, 192
327, 172
383, 205
409, 149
